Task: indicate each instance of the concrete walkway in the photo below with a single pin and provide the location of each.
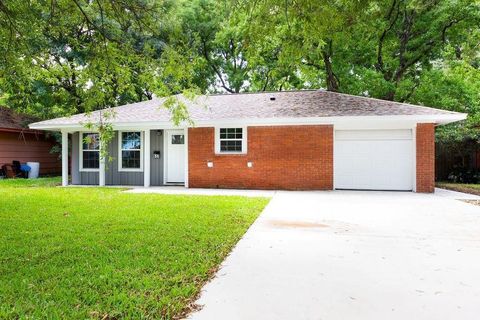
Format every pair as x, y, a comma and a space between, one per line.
202, 192
353, 255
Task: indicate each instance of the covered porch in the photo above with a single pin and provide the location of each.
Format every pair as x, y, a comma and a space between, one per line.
146, 157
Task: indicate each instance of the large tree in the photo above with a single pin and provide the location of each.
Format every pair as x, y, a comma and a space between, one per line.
375, 47
65, 56
70, 56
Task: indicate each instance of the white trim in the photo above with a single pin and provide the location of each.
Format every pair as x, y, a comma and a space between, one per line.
414, 173
343, 120
399, 136
120, 168
333, 157
64, 158
244, 140
101, 167
165, 147
80, 156
185, 131
147, 165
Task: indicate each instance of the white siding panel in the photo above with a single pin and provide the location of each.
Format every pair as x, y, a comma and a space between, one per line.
373, 134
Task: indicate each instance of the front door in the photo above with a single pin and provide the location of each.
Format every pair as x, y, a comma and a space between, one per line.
175, 156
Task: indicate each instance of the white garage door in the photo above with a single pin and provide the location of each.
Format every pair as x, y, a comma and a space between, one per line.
373, 159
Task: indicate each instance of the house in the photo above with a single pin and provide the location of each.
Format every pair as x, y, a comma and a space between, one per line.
18, 142
296, 140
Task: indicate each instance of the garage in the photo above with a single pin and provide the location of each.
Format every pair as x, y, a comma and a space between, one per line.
374, 160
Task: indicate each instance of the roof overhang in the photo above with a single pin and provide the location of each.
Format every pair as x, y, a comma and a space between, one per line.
24, 130
343, 121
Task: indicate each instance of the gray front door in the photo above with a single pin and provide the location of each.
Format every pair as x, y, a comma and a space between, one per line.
157, 157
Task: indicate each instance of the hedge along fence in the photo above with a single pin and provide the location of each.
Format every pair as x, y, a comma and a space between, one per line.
459, 161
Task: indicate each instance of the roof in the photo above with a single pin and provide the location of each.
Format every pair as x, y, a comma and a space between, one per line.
258, 107
11, 120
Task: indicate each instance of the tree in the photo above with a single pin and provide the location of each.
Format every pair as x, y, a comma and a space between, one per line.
307, 34
219, 43
383, 44
69, 56
64, 57
412, 35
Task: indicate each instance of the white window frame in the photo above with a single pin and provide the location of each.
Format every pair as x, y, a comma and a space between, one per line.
244, 140
80, 147
120, 168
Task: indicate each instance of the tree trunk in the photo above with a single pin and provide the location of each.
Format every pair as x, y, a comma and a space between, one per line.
390, 95
330, 77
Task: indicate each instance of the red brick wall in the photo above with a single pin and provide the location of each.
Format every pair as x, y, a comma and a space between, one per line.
425, 157
284, 157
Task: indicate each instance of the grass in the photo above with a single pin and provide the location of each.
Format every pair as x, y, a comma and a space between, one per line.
76, 253
461, 187
30, 183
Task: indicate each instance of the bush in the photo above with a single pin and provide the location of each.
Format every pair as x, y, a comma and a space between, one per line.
464, 175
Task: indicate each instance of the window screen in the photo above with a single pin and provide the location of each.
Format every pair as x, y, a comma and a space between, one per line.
131, 150
178, 139
90, 151
231, 140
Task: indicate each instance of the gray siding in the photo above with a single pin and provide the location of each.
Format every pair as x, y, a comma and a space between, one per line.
82, 178
156, 165
75, 159
112, 175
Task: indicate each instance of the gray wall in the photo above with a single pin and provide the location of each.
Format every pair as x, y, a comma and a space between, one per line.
156, 165
112, 175
86, 178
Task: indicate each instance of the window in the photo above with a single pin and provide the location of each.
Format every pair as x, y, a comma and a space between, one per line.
231, 140
178, 139
130, 147
89, 151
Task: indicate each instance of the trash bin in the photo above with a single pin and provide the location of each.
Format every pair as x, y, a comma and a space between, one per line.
35, 169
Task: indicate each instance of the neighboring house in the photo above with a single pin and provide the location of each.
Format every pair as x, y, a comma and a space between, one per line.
17, 142
298, 140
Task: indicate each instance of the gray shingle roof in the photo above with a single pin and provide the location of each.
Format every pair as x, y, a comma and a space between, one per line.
265, 105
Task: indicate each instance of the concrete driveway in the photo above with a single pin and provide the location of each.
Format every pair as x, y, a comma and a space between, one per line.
353, 255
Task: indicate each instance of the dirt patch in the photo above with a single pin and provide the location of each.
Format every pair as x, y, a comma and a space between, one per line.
475, 202
192, 305
295, 224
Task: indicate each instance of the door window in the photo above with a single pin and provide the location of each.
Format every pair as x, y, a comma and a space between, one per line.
178, 139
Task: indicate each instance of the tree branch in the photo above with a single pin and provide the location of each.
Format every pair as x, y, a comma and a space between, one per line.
92, 24
267, 79
423, 53
214, 68
379, 65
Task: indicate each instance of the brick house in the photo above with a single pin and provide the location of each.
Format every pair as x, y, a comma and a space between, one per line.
294, 140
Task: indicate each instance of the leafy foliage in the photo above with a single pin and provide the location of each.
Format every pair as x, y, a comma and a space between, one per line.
62, 57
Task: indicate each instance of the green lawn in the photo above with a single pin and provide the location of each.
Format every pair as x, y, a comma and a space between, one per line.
461, 187
28, 183
76, 253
